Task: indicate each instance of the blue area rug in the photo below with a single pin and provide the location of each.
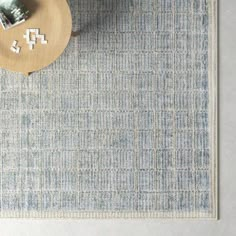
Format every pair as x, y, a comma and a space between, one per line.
123, 124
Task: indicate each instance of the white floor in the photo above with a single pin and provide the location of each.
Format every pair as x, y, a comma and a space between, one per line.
226, 226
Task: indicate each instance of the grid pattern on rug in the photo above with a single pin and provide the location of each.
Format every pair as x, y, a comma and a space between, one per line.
120, 123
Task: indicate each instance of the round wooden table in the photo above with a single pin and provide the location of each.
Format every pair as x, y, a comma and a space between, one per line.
53, 18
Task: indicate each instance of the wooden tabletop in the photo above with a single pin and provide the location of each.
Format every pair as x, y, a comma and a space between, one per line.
53, 18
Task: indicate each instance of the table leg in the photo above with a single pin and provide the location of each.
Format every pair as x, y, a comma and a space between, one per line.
74, 33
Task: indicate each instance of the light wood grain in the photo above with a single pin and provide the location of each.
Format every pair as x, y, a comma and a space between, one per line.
53, 18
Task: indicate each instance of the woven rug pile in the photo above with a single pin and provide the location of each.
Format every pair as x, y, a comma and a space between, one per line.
123, 124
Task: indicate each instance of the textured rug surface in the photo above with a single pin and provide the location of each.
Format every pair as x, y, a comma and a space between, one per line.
123, 124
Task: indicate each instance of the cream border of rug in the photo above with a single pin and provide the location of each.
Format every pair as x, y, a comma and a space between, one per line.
213, 74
